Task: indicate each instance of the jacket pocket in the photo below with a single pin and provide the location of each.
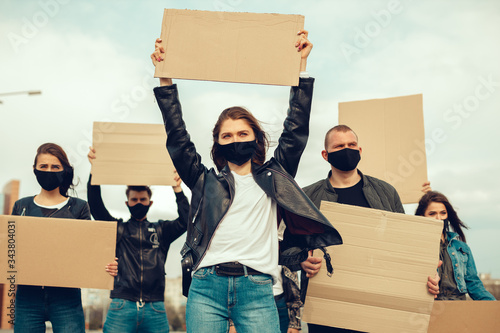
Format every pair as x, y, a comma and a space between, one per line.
463, 258
196, 237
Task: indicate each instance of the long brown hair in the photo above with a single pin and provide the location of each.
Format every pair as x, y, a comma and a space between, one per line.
235, 113
434, 196
57, 151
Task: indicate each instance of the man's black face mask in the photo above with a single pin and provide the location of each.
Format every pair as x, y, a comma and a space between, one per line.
138, 211
346, 159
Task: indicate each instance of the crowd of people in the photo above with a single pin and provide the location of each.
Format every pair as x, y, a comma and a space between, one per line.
250, 227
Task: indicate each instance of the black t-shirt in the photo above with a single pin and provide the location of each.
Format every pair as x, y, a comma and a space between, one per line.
352, 195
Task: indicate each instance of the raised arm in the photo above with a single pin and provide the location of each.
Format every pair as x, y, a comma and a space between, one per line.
94, 198
293, 140
182, 151
174, 229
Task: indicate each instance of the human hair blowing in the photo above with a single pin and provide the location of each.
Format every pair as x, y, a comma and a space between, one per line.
236, 113
56, 150
434, 196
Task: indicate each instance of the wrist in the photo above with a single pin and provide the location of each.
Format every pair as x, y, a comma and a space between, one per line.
165, 81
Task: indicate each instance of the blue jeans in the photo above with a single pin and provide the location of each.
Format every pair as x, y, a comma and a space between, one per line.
282, 312
247, 300
61, 306
127, 316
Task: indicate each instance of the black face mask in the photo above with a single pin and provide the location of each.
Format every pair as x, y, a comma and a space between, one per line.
238, 152
49, 180
138, 211
346, 159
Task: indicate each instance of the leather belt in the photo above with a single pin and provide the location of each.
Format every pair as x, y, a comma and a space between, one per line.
234, 269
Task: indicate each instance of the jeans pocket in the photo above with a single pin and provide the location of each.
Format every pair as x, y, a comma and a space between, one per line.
117, 304
158, 307
261, 279
202, 273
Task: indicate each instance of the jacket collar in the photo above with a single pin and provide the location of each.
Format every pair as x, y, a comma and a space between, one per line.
450, 235
329, 188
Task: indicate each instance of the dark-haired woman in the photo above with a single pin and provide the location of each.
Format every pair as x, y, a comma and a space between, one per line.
37, 304
232, 237
458, 274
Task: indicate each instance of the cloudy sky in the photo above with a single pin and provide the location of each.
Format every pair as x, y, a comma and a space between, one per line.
91, 61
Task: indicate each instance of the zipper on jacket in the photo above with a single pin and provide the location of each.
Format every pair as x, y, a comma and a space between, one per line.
58, 210
23, 213
212, 237
142, 264
197, 210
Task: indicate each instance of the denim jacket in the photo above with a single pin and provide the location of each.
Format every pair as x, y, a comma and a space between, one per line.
464, 269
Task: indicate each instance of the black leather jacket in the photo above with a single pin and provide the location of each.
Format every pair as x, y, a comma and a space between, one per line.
212, 192
141, 249
74, 209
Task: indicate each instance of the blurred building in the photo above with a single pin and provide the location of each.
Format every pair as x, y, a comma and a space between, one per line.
173, 292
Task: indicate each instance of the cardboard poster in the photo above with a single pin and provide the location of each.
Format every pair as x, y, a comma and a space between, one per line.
131, 154
391, 133
380, 272
56, 252
230, 47
465, 317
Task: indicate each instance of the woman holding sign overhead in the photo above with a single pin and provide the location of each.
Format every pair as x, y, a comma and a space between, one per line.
231, 250
37, 304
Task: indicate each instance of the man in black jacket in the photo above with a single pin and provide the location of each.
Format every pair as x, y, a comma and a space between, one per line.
347, 185
141, 248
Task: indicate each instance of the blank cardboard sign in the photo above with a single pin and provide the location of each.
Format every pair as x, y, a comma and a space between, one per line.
56, 252
131, 154
230, 47
465, 317
391, 134
380, 272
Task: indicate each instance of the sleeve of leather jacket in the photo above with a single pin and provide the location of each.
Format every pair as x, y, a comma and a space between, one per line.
85, 212
295, 133
182, 151
171, 230
94, 199
15, 209
398, 206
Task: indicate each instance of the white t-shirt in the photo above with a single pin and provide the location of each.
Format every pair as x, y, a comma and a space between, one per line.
58, 206
248, 233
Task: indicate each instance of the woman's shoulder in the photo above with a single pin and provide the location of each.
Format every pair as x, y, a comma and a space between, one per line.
77, 201
25, 201
457, 243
